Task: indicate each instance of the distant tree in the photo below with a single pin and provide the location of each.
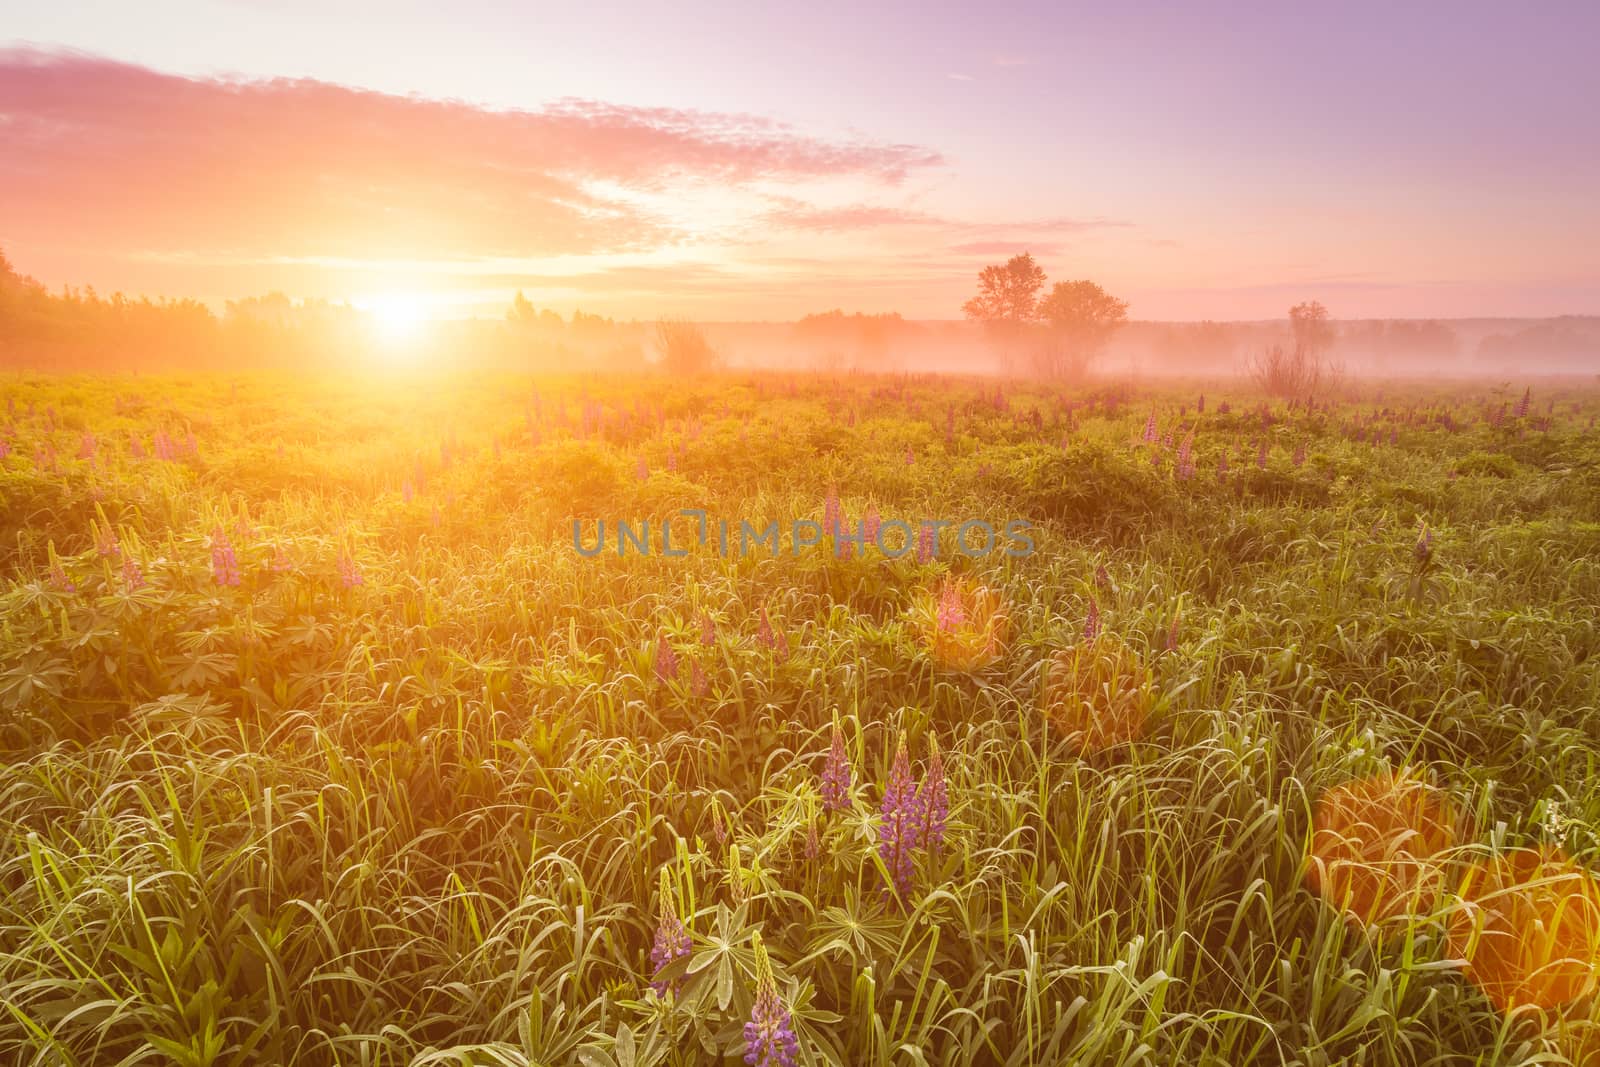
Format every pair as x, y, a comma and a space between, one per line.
1307, 370
682, 348
1080, 318
1008, 295
1313, 333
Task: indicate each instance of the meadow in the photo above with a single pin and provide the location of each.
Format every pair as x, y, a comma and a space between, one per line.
320, 743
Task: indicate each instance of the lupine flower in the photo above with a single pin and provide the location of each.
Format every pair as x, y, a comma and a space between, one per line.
58, 573
925, 543
1186, 457
832, 514
836, 775
736, 880
951, 614
224, 565
1102, 577
1522, 405
280, 560
933, 802
897, 829
666, 660
699, 684
349, 575
132, 576
86, 446
105, 541
672, 938
1172, 630
719, 832
769, 1038
871, 524
708, 629
813, 843
1200, 405
911, 456
5, 448
1091, 625
1150, 434
1423, 549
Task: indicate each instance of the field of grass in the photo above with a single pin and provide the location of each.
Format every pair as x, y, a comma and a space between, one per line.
320, 742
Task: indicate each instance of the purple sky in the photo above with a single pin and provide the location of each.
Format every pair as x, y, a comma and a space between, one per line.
747, 161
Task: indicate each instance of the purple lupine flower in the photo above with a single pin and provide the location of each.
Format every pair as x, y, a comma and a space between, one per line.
1523, 404
769, 1038
132, 576
666, 660
719, 831
699, 684
832, 514
1423, 549
1150, 434
871, 524
105, 542
898, 829
766, 636
672, 938
925, 544
86, 445
1102, 577
1091, 625
1186, 457
836, 775
933, 802
224, 565
349, 574
1200, 405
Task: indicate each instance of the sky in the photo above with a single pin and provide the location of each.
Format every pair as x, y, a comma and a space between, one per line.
754, 161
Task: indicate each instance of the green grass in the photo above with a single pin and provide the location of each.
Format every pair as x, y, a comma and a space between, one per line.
422, 820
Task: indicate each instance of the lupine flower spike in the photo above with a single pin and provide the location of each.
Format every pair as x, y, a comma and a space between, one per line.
672, 939
933, 802
769, 1038
1091, 625
898, 830
836, 775
224, 565
666, 660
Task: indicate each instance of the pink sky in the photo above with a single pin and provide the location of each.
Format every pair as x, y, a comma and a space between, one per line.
749, 162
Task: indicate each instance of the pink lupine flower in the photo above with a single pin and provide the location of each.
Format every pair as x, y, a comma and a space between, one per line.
1151, 434
58, 575
925, 543
836, 775
870, 525
952, 613
699, 684
832, 514
1523, 404
666, 660
1091, 625
86, 446
349, 574
769, 1037
1185, 468
132, 576
911, 456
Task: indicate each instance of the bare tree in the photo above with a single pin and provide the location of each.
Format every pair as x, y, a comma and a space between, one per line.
683, 348
1308, 369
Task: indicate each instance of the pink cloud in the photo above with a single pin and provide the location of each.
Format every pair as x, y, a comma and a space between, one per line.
115, 158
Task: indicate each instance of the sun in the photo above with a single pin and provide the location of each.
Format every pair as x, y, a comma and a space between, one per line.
397, 318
